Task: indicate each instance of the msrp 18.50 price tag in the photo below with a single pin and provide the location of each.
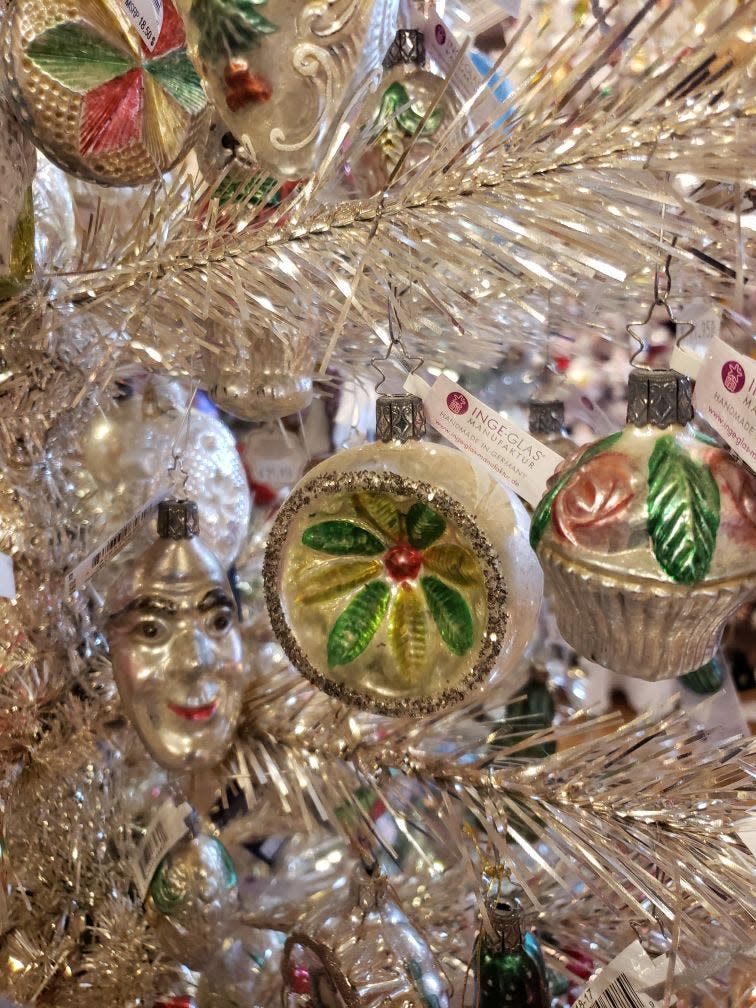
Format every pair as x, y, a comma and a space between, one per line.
147, 18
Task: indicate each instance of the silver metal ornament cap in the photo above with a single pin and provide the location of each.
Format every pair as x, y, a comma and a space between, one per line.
408, 47
659, 398
399, 417
177, 519
506, 918
545, 416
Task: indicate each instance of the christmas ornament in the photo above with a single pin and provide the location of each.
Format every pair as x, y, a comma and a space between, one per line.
279, 73
175, 645
397, 573
546, 424
260, 375
17, 165
191, 899
706, 680
361, 951
396, 116
532, 711
507, 960
105, 89
647, 538
130, 445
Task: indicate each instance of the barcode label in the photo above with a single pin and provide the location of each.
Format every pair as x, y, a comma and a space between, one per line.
84, 571
620, 993
163, 833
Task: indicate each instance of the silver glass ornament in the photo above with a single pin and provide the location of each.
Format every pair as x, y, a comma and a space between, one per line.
192, 899
280, 72
176, 647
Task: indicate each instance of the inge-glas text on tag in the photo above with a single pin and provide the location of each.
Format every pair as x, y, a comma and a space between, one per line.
510, 453
443, 49
147, 18
725, 396
165, 830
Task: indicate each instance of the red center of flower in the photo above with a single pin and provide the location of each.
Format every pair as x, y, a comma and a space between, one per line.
403, 562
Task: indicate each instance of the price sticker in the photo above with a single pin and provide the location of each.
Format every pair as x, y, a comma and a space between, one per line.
147, 18
7, 580
164, 832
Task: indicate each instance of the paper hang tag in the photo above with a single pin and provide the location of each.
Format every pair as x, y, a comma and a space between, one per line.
621, 982
7, 580
746, 830
84, 571
510, 453
725, 396
167, 827
706, 317
147, 18
273, 461
443, 50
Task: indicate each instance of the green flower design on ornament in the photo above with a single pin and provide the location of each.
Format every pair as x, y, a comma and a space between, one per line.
408, 571
396, 105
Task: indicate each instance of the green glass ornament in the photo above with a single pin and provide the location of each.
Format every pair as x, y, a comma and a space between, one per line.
705, 680
508, 964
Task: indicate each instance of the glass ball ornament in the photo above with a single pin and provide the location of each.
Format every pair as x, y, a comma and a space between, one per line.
648, 538
128, 449
192, 898
546, 424
278, 73
102, 99
396, 575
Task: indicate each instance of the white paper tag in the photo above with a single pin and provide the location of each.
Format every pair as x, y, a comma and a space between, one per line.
443, 49
84, 571
510, 453
620, 982
7, 580
166, 829
746, 830
725, 396
147, 18
272, 461
706, 317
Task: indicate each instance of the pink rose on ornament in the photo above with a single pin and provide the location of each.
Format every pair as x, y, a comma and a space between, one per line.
737, 492
591, 510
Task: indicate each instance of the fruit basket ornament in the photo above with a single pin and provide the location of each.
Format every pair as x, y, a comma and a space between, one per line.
647, 537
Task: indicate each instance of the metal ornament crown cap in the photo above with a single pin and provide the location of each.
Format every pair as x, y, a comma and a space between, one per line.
506, 917
545, 416
177, 519
659, 398
408, 47
399, 417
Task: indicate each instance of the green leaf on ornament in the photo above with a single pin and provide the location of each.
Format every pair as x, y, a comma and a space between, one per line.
229, 27
342, 538
331, 580
358, 624
450, 613
683, 512
455, 563
705, 680
542, 514
408, 633
424, 525
77, 57
381, 510
397, 105
178, 77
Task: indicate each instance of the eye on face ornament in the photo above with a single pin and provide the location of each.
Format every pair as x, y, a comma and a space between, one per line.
176, 647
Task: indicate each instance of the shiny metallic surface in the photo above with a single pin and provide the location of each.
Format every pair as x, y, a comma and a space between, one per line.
283, 90
176, 651
192, 899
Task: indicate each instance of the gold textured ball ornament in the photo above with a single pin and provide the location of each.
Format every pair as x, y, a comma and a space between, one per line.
104, 88
398, 576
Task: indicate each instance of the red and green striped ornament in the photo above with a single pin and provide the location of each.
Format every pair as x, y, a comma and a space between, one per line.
94, 96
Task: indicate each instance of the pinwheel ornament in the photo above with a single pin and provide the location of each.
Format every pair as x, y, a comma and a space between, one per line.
103, 94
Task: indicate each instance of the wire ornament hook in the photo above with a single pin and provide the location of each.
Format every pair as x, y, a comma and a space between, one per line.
396, 349
662, 290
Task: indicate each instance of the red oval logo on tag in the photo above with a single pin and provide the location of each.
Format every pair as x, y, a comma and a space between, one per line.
733, 376
457, 403
440, 34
